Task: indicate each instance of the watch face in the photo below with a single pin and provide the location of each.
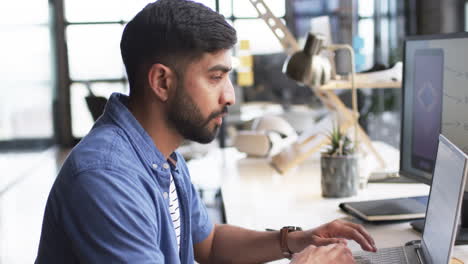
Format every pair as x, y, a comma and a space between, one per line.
293, 228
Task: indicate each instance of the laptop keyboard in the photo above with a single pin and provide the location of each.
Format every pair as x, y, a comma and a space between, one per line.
393, 255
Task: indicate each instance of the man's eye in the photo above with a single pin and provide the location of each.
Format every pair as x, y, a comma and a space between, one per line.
216, 77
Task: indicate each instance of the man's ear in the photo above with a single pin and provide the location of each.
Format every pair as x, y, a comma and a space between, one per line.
161, 78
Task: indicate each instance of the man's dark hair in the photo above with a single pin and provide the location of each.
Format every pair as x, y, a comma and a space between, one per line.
173, 33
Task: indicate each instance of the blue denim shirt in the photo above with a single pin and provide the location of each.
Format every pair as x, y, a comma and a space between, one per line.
107, 204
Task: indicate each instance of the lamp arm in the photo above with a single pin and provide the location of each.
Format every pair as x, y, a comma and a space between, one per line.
354, 102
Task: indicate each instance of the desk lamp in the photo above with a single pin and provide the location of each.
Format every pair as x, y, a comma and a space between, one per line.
308, 67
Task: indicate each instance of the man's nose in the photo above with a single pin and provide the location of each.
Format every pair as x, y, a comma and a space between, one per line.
228, 96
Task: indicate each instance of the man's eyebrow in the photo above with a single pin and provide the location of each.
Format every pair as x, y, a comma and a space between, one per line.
220, 67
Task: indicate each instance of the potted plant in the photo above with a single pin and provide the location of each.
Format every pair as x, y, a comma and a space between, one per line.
339, 166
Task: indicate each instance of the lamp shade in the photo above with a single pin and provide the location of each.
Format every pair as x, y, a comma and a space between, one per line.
298, 66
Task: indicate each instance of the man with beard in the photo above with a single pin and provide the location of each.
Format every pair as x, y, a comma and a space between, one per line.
124, 195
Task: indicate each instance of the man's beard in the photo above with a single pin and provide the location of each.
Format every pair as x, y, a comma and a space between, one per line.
187, 119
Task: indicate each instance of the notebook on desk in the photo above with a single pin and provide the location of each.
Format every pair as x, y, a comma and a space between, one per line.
409, 208
442, 215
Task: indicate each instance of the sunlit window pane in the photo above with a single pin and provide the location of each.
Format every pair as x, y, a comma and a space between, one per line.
94, 51
130, 8
209, 3
25, 81
262, 40
366, 8
24, 12
385, 38
90, 10
25, 110
225, 8
366, 31
393, 31
82, 120
383, 7
243, 8
109, 10
102, 10
19, 59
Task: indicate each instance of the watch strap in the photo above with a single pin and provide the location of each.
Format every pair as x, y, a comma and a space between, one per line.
287, 253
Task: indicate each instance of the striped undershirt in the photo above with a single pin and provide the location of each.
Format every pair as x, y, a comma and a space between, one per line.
174, 210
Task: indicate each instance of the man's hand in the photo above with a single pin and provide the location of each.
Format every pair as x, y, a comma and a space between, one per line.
335, 232
333, 253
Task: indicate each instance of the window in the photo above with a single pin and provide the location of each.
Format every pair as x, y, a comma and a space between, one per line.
385, 17
357, 24
380, 26
25, 74
94, 60
245, 19
305, 10
93, 38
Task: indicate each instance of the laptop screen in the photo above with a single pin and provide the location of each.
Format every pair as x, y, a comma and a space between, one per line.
444, 203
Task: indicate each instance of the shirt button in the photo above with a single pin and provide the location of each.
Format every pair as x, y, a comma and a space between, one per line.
155, 166
166, 166
165, 195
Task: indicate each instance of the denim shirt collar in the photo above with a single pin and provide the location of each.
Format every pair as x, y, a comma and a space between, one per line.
116, 108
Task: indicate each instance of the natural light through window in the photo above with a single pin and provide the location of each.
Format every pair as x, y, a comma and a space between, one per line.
25, 71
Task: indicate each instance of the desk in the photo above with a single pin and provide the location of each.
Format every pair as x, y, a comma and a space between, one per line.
257, 197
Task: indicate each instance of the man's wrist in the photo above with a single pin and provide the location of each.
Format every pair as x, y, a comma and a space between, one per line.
288, 240
297, 241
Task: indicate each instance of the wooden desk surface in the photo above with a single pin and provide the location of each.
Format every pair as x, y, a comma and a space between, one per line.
257, 197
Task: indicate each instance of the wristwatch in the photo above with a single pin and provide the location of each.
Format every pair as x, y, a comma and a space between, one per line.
287, 253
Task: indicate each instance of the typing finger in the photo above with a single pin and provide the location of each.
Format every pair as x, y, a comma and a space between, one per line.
352, 233
363, 232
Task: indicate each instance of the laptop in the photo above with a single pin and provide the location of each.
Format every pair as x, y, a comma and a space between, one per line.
442, 215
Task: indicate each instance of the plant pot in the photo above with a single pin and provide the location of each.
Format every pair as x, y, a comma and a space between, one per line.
340, 176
